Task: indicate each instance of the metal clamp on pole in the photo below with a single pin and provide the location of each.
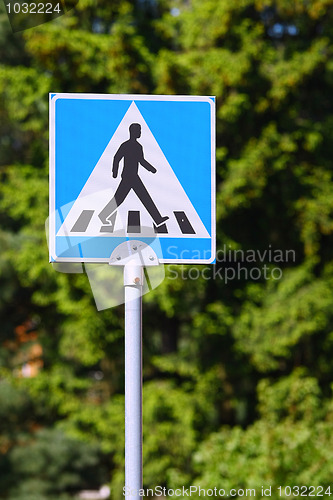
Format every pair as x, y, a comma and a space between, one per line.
134, 252
133, 255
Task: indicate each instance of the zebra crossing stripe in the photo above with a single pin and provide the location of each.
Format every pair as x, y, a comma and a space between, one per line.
184, 223
133, 223
82, 222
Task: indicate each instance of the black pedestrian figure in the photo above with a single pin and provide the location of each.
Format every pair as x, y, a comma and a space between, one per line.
132, 152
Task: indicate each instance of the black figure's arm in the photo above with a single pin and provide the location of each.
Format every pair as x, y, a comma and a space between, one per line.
147, 165
116, 159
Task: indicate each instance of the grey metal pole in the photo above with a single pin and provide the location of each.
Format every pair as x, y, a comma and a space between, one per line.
133, 280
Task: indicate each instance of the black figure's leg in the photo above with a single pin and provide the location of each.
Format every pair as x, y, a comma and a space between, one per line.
120, 195
146, 199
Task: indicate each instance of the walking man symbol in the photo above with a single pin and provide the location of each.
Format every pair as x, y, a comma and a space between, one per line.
132, 152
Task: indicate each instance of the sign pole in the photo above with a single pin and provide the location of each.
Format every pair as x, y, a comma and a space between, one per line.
133, 281
173, 207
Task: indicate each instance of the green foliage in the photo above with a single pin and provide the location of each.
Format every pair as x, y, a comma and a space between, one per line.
289, 444
271, 336
51, 466
237, 375
41, 463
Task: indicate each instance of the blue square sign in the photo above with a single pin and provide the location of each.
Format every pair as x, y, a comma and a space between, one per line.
132, 167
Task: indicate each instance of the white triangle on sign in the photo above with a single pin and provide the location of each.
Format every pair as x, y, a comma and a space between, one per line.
163, 187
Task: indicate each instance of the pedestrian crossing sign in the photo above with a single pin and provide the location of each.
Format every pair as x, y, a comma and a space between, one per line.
132, 167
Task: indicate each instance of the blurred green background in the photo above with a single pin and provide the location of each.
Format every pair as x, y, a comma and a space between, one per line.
237, 375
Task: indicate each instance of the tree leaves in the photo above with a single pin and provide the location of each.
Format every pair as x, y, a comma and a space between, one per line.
237, 373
